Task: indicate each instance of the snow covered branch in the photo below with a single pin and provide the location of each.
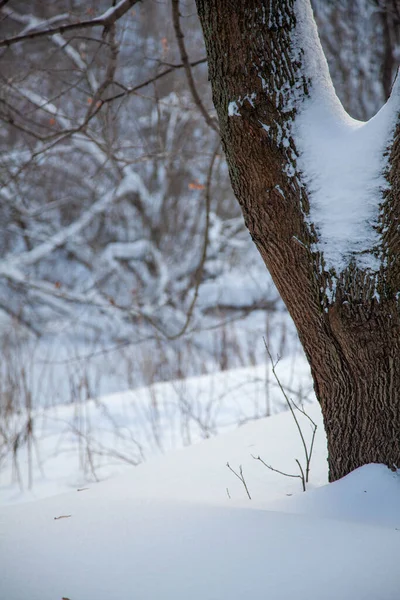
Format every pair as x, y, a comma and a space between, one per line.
107, 193
33, 23
106, 20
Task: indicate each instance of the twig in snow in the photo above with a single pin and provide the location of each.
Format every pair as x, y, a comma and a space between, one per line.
281, 472
307, 450
240, 476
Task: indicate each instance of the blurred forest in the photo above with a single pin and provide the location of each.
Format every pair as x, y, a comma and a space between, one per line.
123, 255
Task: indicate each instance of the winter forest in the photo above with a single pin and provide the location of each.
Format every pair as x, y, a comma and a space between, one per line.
138, 318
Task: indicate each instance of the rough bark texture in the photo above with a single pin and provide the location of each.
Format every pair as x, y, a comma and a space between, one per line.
352, 342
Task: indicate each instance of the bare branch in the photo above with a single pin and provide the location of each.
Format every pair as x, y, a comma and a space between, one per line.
307, 451
200, 268
303, 479
19, 318
106, 20
31, 22
275, 470
138, 87
109, 75
240, 476
59, 239
186, 65
288, 402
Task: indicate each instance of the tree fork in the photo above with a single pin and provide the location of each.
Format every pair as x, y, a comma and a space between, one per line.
348, 321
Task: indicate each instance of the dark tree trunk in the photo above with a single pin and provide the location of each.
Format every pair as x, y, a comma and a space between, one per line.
348, 319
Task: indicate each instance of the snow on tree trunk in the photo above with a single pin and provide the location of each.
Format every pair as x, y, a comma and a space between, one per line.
319, 193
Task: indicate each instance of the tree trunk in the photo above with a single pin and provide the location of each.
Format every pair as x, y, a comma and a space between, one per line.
266, 68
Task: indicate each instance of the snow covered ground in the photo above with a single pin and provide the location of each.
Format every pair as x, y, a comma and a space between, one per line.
90, 440
182, 526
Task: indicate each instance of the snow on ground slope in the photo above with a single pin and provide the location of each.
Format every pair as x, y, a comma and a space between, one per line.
170, 530
369, 495
82, 442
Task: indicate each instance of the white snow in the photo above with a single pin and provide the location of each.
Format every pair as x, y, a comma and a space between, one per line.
233, 109
182, 526
341, 159
368, 495
342, 164
79, 442
235, 289
169, 530
233, 106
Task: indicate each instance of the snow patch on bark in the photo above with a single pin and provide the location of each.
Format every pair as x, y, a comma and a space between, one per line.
233, 106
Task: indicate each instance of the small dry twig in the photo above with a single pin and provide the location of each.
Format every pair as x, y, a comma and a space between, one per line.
240, 476
307, 450
281, 472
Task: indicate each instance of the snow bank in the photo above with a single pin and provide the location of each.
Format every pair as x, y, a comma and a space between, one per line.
369, 495
150, 549
77, 443
170, 530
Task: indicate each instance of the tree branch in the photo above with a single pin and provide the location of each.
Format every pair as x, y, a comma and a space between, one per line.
128, 91
200, 268
106, 20
25, 259
186, 65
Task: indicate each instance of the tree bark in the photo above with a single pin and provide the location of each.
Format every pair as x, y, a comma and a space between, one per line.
347, 319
